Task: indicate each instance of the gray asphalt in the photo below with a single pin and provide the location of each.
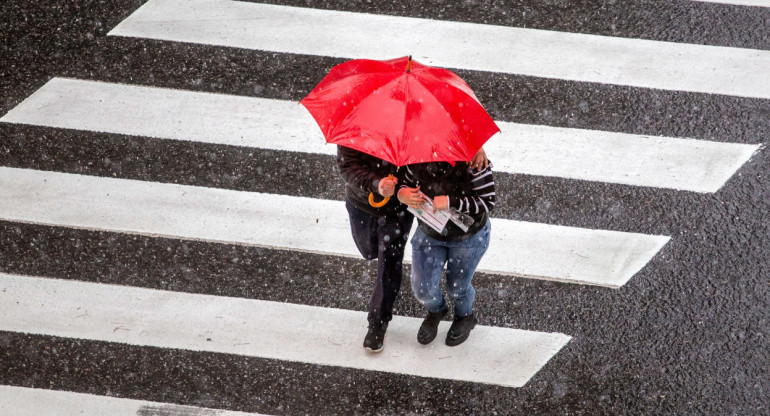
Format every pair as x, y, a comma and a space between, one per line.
689, 334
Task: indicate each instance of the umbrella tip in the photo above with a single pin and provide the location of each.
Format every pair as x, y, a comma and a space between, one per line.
409, 63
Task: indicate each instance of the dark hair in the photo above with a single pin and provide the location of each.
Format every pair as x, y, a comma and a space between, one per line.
438, 168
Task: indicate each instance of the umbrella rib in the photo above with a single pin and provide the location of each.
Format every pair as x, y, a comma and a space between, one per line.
450, 84
469, 92
342, 121
440, 104
456, 89
402, 143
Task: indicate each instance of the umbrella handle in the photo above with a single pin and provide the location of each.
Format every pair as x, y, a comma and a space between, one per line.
385, 199
377, 204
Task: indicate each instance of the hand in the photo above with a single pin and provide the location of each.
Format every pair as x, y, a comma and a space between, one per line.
387, 186
480, 160
441, 203
411, 197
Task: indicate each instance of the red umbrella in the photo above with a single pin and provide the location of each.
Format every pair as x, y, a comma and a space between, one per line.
400, 111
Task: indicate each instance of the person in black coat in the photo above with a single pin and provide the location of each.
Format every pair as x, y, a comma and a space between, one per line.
379, 233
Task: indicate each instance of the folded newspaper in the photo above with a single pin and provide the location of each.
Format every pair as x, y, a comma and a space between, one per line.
439, 219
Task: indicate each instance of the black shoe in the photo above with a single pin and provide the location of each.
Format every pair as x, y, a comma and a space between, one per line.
429, 327
375, 337
460, 330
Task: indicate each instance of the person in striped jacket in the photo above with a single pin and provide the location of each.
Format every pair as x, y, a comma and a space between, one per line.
469, 196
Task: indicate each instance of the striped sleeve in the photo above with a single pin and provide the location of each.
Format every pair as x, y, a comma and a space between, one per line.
408, 179
482, 197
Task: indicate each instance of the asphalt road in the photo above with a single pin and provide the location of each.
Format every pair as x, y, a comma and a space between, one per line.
687, 335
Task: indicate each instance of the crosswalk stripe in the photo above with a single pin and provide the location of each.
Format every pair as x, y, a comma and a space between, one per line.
23, 401
758, 3
549, 54
664, 162
575, 255
273, 330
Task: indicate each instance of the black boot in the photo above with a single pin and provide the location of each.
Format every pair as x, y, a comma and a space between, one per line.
429, 327
375, 337
460, 329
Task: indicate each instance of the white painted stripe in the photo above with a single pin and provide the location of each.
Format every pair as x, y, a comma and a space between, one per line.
569, 56
664, 162
629, 159
274, 330
21, 401
172, 114
758, 3
577, 255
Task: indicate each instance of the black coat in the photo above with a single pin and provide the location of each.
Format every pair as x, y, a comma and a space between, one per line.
362, 173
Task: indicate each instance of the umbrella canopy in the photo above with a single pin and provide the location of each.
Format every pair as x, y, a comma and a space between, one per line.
401, 111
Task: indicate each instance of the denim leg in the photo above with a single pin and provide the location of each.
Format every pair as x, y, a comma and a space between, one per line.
392, 232
428, 258
464, 257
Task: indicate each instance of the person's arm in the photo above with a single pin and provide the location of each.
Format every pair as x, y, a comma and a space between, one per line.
482, 199
354, 172
408, 192
407, 179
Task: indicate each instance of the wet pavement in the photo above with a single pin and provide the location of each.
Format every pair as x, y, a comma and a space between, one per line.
687, 335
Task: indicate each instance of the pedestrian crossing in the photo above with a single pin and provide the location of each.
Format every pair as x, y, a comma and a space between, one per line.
274, 330
20, 401
548, 54
630, 159
282, 331
599, 257
757, 3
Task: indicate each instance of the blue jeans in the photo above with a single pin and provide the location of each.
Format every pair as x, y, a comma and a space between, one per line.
461, 257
